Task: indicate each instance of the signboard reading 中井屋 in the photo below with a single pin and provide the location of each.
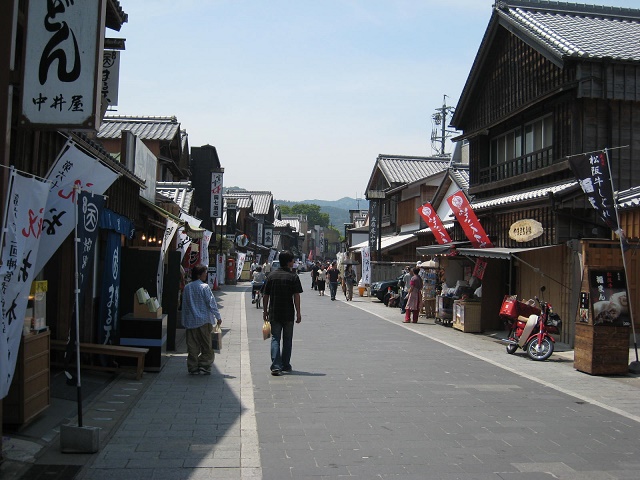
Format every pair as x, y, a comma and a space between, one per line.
62, 64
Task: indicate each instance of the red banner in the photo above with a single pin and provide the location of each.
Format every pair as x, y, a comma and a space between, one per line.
468, 220
428, 213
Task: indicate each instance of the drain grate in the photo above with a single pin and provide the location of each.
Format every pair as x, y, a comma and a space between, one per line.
52, 472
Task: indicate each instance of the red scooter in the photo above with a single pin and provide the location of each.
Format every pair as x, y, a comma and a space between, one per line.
530, 326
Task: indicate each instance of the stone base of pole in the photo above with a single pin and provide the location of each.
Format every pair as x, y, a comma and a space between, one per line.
74, 439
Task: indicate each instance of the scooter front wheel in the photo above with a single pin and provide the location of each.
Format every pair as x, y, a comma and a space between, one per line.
540, 350
511, 348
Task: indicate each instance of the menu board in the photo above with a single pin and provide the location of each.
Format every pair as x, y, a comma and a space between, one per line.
609, 298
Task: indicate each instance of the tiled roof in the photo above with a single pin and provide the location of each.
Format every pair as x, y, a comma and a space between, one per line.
242, 198
399, 169
180, 193
577, 30
629, 198
145, 128
262, 201
293, 222
461, 177
522, 196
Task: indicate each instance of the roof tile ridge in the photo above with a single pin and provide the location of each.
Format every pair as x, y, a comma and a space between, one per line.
548, 33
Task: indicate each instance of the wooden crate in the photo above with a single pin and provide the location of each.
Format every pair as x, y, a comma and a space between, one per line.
466, 316
601, 349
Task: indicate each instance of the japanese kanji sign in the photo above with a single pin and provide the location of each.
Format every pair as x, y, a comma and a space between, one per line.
216, 194
62, 80
592, 172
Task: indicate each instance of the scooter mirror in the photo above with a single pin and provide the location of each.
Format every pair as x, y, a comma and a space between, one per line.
543, 288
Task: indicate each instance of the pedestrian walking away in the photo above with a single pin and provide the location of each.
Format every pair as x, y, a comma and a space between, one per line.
314, 275
349, 280
281, 307
414, 297
199, 312
333, 275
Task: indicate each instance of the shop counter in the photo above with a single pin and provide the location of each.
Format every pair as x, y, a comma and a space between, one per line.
466, 316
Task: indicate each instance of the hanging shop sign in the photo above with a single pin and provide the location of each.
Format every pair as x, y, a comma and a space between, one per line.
216, 193
62, 80
525, 230
110, 76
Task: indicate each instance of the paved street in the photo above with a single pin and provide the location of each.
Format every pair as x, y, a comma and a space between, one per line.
369, 398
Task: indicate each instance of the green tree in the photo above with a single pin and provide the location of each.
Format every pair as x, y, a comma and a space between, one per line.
312, 211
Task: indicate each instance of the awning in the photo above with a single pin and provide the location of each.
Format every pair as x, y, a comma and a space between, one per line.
494, 252
439, 249
388, 242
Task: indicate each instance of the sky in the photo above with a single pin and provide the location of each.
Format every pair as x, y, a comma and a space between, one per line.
299, 97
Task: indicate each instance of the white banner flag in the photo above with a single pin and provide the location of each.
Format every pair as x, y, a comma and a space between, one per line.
240, 266
169, 232
204, 248
184, 241
72, 168
366, 265
23, 220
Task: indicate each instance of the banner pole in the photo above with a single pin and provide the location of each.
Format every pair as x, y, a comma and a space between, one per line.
634, 366
6, 211
76, 240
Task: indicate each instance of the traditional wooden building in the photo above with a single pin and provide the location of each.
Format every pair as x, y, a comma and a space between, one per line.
550, 80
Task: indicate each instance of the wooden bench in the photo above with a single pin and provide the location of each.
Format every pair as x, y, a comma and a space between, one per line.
110, 350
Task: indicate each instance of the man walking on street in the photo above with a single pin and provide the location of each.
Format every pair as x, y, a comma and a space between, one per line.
333, 275
281, 302
199, 311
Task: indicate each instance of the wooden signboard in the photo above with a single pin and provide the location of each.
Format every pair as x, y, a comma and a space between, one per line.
602, 323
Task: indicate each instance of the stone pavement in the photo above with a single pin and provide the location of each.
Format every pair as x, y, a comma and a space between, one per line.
369, 397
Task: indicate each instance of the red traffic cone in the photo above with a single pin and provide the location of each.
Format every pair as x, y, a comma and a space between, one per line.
215, 283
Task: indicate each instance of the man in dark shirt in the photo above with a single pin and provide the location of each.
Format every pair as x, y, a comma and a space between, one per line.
314, 275
333, 275
281, 305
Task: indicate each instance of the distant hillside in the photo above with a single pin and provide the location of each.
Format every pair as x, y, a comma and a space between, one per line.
338, 210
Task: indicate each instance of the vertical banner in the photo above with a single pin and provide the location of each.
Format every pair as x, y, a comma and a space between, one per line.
204, 248
26, 201
366, 265
260, 234
272, 255
373, 225
184, 241
169, 232
73, 168
592, 172
110, 296
240, 264
431, 218
321, 241
89, 210
215, 210
468, 220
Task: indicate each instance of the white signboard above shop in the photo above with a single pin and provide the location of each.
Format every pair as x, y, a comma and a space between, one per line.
62, 65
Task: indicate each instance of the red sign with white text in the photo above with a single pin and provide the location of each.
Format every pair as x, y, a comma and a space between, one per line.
428, 213
468, 220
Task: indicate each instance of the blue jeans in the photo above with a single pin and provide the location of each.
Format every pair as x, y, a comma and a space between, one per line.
333, 288
282, 360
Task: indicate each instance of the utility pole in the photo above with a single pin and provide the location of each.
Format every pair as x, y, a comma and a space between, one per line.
439, 133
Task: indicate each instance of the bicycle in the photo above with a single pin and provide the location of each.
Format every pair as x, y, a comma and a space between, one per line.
259, 298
